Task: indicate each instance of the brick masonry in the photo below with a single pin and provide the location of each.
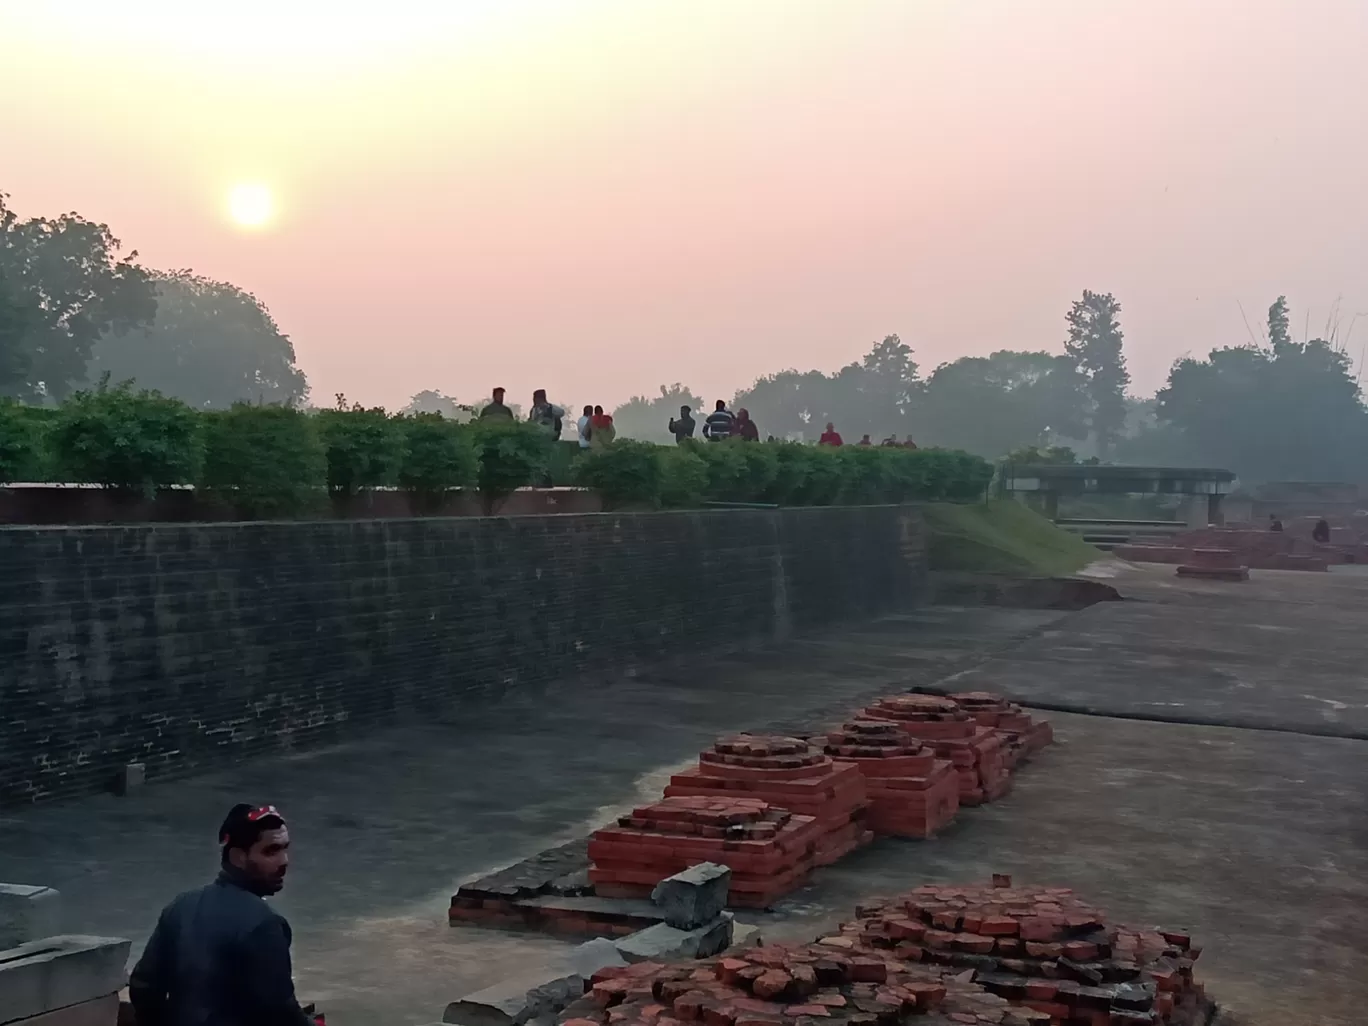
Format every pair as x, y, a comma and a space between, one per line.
185, 647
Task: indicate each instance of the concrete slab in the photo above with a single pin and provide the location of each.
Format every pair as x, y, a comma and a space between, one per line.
58, 972
1281, 651
28, 912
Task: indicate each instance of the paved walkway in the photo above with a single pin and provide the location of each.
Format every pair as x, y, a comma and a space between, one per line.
1255, 839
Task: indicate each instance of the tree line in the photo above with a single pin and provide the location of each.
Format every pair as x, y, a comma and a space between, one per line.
1269, 407
74, 308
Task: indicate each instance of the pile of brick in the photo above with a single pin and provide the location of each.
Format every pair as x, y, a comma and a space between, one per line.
1041, 948
790, 774
952, 733
779, 985
1214, 565
911, 792
769, 850
1021, 735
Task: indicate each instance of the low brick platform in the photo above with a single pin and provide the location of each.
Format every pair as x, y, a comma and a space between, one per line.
1214, 565
911, 792
791, 774
769, 850
1021, 735
779, 985
976, 751
1042, 948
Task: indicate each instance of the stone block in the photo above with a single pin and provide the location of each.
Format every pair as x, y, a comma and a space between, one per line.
663, 943
533, 993
130, 778
57, 972
538, 993
694, 897
100, 1011
28, 913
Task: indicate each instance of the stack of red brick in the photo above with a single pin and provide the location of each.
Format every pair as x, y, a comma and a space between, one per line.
952, 733
770, 851
1043, 949
790, 774
911, 792
1021, 735
779, 985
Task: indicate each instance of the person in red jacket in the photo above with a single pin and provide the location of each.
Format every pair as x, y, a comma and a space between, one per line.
830, 436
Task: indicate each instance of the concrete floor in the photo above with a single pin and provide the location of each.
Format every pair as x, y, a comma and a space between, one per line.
1254, 839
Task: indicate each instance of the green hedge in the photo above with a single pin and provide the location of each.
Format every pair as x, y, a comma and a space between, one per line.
277, 461
638, 474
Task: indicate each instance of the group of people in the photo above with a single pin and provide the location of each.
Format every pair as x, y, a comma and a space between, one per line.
718, 426
1320, 534
595, 427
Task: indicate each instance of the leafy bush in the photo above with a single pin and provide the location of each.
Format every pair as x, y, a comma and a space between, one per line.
626, 473
437, 455
510, 455
364, 447
683, 476
266, 460
133, 441
18, 441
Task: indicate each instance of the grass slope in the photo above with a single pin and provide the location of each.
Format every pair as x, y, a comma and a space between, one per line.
1002, 537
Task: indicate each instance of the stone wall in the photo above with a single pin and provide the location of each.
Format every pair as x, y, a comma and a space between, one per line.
184, 647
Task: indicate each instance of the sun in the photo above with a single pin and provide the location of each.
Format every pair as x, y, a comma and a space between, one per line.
251, 205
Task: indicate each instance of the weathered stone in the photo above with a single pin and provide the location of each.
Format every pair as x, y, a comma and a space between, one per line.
56, 972
591, 956
694, 897
130, 778
664, 942
541, 991
28, 913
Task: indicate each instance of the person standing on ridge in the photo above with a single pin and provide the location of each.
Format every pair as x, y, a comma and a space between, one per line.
220, 956
583, 426
601, 429
683, 427
546, 414
720, 423
830, 436
496, 410
746, 429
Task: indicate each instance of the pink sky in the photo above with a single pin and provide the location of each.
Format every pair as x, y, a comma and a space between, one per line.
600, 196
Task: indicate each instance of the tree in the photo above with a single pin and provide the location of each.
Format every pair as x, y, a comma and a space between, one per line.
991, 405
1287, 413
1094, 344
432, 401
1278, 334
875, 396
15, 320
210, 344
66, 276
648, 420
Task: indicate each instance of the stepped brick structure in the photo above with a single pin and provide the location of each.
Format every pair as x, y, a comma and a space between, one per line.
1021, 735
790, 774
975, 750
1214, 565
911, 792
1041, 948
780, 985
770, 851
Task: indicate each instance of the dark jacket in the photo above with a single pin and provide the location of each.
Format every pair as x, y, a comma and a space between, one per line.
683, 427
219, 956
719, 425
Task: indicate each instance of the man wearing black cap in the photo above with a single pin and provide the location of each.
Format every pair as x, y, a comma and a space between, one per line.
220, 956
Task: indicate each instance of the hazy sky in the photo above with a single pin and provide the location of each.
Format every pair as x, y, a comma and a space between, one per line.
603, 195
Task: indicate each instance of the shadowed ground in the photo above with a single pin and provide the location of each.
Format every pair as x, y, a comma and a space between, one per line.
1254, 839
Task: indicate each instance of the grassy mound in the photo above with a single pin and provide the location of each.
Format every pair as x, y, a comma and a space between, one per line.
1002, 537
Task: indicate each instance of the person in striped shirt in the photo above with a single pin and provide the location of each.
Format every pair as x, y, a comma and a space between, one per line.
720, 423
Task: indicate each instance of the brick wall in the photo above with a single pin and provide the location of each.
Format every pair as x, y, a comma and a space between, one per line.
186, 646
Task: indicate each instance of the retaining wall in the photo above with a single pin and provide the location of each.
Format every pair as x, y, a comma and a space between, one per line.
186, 646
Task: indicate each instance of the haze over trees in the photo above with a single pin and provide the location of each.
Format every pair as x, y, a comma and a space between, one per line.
74, 307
